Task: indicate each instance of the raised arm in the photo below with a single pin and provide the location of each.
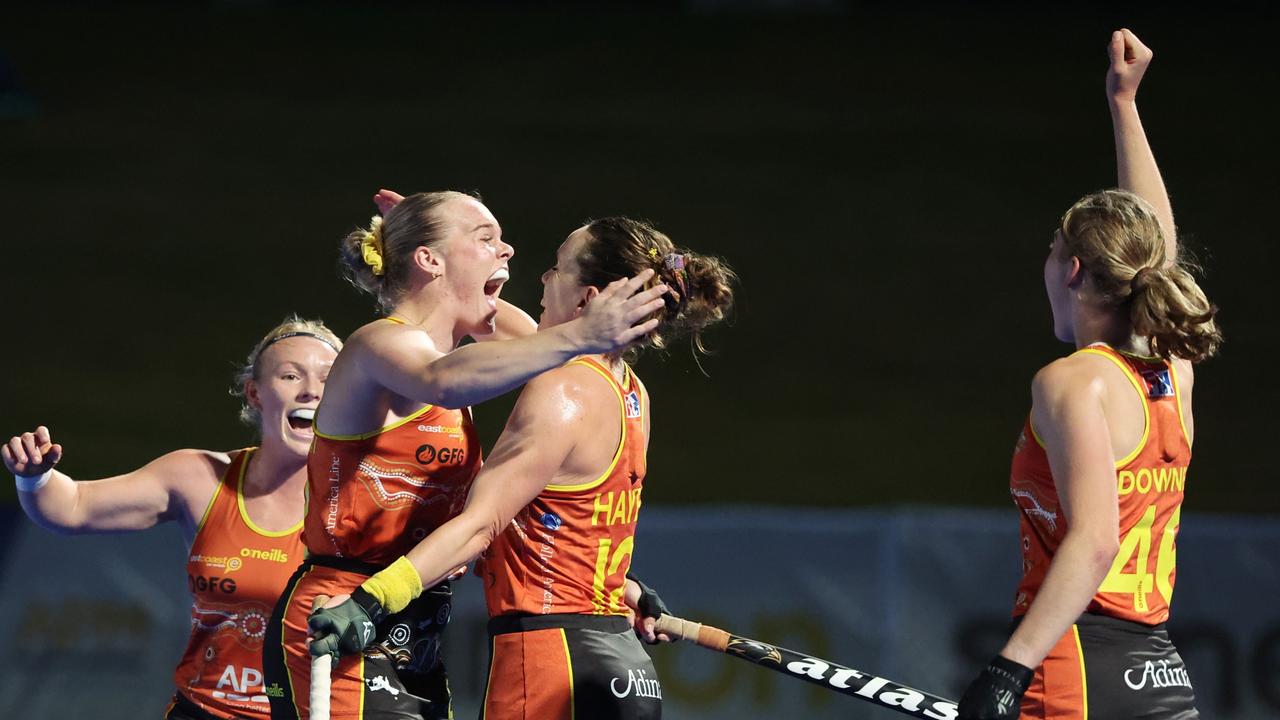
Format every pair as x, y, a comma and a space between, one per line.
157, 492
407, 363
542, 430
1136, 168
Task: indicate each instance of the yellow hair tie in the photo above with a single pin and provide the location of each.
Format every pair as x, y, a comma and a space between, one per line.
371, 246
653, 253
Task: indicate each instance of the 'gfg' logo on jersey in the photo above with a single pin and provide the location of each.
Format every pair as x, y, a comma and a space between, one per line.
428, 454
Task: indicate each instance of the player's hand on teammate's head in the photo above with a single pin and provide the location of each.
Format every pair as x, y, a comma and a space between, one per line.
386, 199
615, 317
31, 453
1129, 61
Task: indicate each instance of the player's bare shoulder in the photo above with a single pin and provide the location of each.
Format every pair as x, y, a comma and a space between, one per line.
567, 397
568, 384
382, 341
1186, 371
190, 475
1079, 372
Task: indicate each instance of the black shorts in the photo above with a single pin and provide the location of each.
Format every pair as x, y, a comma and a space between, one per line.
558, 667
399, 677
1105, 668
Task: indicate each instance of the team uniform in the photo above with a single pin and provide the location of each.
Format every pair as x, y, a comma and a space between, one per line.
235, 571
1116, 661
372, 497
561, 644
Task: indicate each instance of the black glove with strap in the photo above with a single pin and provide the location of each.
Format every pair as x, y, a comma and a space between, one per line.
650, 605
347, 627
996, 694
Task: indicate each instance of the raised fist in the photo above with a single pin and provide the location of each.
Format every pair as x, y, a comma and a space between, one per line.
1129, 61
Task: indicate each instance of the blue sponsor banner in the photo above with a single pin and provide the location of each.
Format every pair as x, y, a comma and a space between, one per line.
918, 595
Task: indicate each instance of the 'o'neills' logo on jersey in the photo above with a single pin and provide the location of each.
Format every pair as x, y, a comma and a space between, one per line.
274, 554
876, 688
1159, 677
1166, 479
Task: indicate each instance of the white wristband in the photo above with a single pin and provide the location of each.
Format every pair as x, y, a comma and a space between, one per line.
33, 483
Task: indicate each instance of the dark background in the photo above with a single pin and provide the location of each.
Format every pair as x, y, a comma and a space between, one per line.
174, 180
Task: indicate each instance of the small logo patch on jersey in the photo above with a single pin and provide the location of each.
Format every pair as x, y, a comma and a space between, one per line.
633, 404
551, 521
1159, 383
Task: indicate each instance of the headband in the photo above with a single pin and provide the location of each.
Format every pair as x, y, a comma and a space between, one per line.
285, 336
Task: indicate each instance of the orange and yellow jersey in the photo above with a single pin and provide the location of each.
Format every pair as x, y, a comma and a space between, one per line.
569, 550
372, 497
1149, 486
236, 572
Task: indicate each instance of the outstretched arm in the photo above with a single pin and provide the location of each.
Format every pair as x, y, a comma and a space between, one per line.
407, 363
155, 493
543, 428
1135, 163
539, 435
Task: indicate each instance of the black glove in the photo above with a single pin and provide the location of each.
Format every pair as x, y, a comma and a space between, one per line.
347, 627
650, 605
996, 694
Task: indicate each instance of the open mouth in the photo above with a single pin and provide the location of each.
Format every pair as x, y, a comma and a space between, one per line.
302, 419
493, 286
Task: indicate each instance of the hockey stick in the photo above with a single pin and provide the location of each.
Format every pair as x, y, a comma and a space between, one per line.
846, 681
320, 668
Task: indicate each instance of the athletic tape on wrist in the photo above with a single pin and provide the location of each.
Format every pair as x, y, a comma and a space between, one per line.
33, 483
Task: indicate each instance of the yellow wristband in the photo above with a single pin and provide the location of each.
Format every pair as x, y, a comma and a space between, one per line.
395, 586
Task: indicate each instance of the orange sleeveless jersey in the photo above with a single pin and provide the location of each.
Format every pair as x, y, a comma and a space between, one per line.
1149, 489
569, 550
374, 496
236, 572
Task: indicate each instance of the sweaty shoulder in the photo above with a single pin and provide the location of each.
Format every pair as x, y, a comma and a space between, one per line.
564, 394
